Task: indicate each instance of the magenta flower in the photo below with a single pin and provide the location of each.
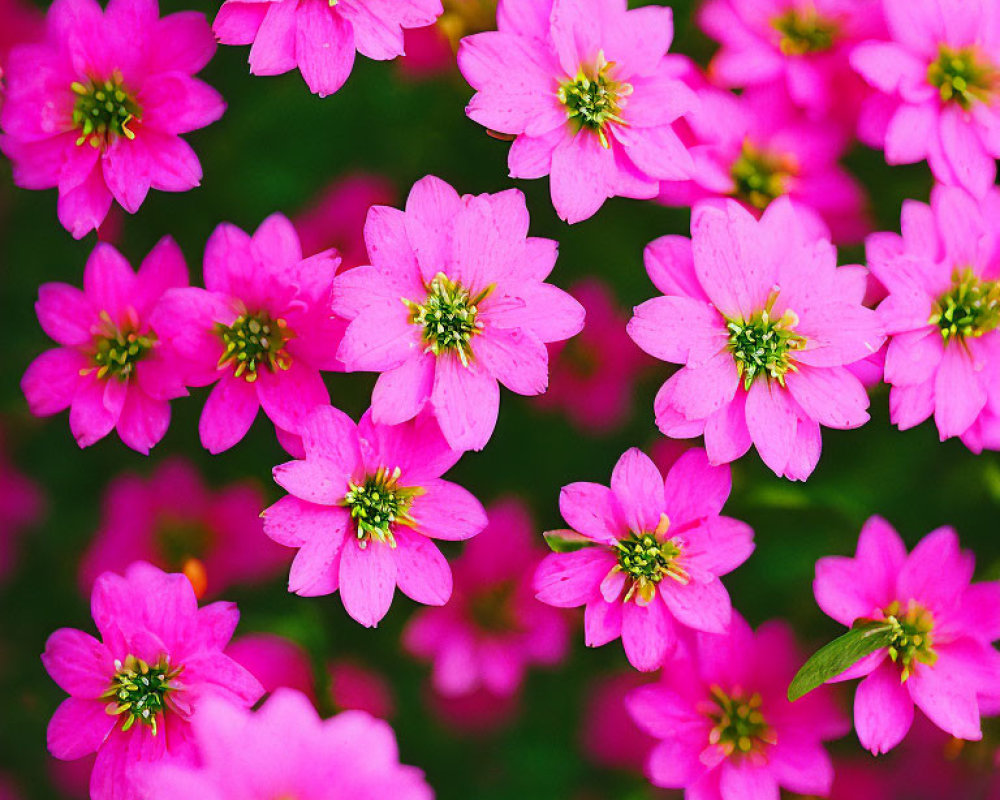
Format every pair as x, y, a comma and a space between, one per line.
581, 85
260, 330
594, 374
135, 693
455, 301
112, 370
286, 750
938, 72
940, 657
726, 728
356, 687
362, 507
765, 324
609, 736
802, 46
97, 109
758, 147
173, 520
659, 547
23, 506
943, 313
318, 37
493, 629
274, 661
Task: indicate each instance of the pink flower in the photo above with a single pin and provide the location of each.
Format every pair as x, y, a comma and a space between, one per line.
113, 371
938, 75
260, 330
940, 658
355, 687
493, 629
135, 693
581, 85
802, 45
758, 147
97, 109
318, 37
286, 750
726, 728
609, 736
336, 218
274, 661
455, 301
479, 713
594, 374
23, 506
173, 520
363, 505
765, 324
943, 313
659, 547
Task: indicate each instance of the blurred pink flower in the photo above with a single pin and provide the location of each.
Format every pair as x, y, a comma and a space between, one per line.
274, 661
336, 218
97, 108
757, 147
943, 313
113, 371
937, 71
455, 301
941, 658
355, 687
609, 735
23, 505
431, 50
580, 84
658, 549
801, 45
128, 701
765, 324
286, 750
20, 21
173, 520
318, 37
362, 508
726, 728
593, 375
260, 330
493, 629
479, 713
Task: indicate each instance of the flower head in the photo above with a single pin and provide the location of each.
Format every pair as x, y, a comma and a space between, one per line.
725, 725
97, 108
260, 330
139, 688
940, 656
112, 370
173, 520
942, 313
362, 507
659, 547
581, 84
453, 302
319, 37
285, 749
765, 324
493, 628
936, 73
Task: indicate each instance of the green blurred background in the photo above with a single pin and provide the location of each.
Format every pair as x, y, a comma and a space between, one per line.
274, 149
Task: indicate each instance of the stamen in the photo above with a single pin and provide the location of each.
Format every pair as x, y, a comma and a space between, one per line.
763, 346
913, 639
804, 31
117, 350
761, 177
140, 691
963, 76
740, 728
378, 503
103, 110
449, 317
252, 342
647, 558
595, 101
970, 309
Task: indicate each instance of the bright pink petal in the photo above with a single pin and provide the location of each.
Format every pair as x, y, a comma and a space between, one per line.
367, 581
883, 710
228, 414
572, 579
422, 573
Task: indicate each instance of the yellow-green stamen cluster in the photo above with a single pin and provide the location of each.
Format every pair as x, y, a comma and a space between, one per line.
379, 502
254, 341
970, 309
103, 109
140, 691
804, 31
116, 350
963, 76
594, 101
912, 639
647, 558
762, 346
760, 177
739, 725
449, 317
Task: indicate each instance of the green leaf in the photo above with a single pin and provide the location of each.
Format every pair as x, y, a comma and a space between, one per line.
566, 541
831, 660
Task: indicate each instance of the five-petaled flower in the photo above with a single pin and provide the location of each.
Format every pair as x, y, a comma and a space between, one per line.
658, 549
